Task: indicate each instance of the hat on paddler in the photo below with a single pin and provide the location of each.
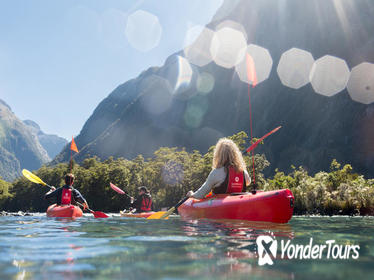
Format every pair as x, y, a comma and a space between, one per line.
144, 189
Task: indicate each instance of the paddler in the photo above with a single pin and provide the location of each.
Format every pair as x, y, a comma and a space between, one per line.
66, 194
143, 202
228, 175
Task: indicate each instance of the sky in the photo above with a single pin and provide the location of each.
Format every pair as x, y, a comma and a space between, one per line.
60, 59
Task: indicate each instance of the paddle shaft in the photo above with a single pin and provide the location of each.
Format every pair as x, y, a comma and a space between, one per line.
49, 186
254, 145
118, 190
127, 195
181, 202
81, 205
165, 215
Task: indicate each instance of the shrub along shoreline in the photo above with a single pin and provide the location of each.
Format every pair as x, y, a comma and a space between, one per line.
171, 172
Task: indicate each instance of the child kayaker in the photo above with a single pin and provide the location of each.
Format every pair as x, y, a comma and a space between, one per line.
143, 202
228, 173
66, 194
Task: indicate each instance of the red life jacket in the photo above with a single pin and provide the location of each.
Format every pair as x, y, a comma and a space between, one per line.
146, 205
234, 182
66, 196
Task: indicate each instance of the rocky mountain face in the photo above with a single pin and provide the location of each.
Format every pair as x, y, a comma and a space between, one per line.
193, 104
53, 144
19, 146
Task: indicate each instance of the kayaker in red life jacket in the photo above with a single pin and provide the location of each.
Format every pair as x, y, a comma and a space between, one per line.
143, 202
66, 194
228, 175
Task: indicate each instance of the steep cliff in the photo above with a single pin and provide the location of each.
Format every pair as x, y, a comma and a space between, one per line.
19, 146
185, 105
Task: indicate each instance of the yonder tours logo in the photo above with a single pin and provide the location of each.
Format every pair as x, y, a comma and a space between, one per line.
267, 248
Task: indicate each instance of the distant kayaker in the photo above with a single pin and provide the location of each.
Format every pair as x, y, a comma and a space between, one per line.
66, 194
143, 202
229, 174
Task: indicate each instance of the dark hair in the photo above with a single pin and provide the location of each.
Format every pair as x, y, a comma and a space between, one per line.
144, 189
69, 179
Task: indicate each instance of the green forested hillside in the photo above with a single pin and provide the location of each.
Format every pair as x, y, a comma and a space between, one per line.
171, 172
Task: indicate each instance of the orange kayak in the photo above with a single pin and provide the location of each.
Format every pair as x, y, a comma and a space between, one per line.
271, 206
64, 211
136, 215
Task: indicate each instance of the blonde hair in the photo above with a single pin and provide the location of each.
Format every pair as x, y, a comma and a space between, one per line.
226, 153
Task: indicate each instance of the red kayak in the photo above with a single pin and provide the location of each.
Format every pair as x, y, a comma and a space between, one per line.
64, 211
272, 206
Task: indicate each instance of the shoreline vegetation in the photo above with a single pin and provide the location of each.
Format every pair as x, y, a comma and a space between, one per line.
171, 172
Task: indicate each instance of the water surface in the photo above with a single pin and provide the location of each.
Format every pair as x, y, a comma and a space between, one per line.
37, 247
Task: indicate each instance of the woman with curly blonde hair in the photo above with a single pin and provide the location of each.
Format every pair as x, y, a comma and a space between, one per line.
228, 173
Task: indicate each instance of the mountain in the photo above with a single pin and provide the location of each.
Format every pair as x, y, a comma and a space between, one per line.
187, 105
53, 144
19, 146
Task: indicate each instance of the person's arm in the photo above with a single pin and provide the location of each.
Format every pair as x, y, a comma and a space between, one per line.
216, 177
137, 203
78, 197
247, 178
51, 193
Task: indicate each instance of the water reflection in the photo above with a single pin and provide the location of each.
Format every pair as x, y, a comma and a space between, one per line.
125, 248
237, 239
248, 230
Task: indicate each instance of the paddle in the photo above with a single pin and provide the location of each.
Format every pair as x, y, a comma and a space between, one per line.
165, 214
35, 179
118, 190
254, 145
97, 214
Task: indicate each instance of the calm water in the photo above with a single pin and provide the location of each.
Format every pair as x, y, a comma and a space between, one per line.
123, 248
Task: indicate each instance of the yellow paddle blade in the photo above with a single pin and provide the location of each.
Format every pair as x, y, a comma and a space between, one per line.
168, 213
156, 216
32, 177
162, 214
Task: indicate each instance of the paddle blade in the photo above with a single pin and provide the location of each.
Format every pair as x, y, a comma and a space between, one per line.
161, 214
156, 216
117, 189
250, 148
168, 213
98, 214
33, 178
